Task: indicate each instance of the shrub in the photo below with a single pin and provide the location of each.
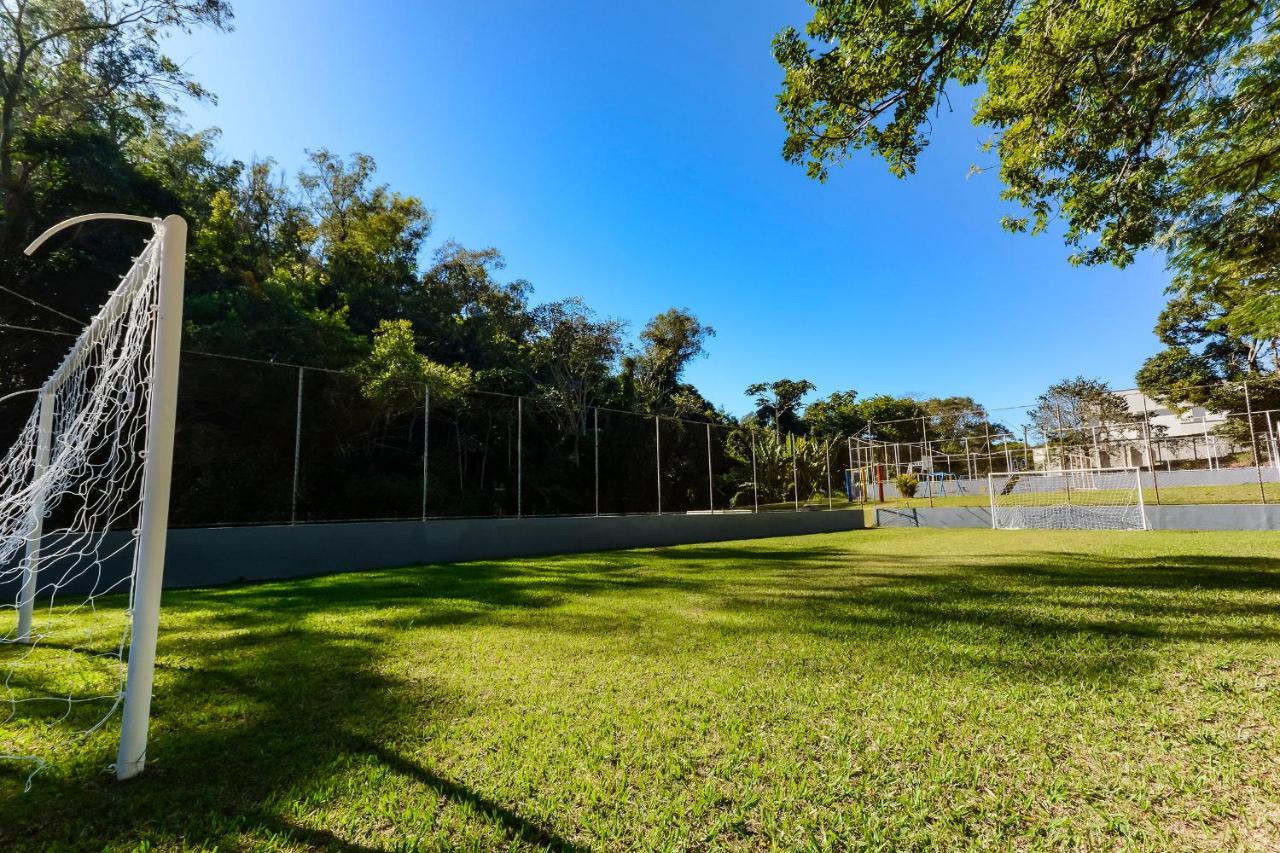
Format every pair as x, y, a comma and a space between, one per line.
907, 484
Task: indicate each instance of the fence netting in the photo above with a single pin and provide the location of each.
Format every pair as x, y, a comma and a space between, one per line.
262, 443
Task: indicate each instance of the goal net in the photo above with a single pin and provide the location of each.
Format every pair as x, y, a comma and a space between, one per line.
71, 503
1090, 499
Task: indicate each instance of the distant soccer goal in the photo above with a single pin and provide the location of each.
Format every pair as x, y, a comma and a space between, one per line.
84, 499
1088, 499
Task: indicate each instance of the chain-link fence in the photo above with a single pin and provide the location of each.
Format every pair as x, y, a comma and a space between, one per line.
1190, 454
269, 444
262, 443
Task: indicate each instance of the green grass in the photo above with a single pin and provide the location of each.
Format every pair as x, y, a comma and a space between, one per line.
886, 689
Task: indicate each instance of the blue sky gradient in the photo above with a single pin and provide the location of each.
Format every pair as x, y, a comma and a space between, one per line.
629, 154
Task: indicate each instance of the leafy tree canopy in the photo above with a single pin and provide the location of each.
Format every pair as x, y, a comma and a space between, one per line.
1115, 116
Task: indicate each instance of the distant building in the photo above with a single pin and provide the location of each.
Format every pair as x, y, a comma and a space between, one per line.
1175, 438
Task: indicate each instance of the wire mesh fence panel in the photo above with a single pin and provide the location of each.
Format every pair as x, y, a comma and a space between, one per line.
233, 444
730, 469
474, 458
836, 463
357, 459
684, 466
775, 480
559, 460
628, 463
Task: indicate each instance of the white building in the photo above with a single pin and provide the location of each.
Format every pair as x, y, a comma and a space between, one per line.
1179, 438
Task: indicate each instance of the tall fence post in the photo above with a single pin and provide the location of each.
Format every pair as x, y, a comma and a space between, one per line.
928, 468
1151, 459
596, 430
1271, 444
986, 431
1210, 446
1253, 442
31, 566
848, 443
657, 457
795, 476
755, 485
297, 449
711, 483
827, 454
1026, 448
426, 443
519, 457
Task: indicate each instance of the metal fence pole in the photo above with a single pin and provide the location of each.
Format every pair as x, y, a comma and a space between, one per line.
1271, 444
519, 457
928, 470
1151, 459
755, 485
1210, 448
1026, 448
795, 476
1253, 442
657, 457
426, 443
849, 446
596, 430
862, 477
297, 450
830, 505
711, 483
986, 430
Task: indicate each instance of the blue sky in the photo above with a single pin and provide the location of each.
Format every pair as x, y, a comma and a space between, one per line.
629, 154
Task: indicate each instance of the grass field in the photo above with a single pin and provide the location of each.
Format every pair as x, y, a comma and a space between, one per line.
885, 689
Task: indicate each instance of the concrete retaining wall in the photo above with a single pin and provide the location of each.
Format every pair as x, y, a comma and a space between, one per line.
205, 556
1189, 517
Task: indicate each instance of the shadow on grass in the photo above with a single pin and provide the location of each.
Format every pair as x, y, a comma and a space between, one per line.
254, 703
253, 709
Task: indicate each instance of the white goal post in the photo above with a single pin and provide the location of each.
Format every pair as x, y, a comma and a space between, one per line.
1087, 499
85, 488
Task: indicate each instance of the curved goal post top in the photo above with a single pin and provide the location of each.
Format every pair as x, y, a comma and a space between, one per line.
153, 221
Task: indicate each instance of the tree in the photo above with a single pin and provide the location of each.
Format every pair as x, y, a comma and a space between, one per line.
395, 375
367, 239
1082, 412
894, 419
1120, 118
669, 342
464, 315
1209, 354
778, 402
73, 71
835, 416
573, 355
781, 467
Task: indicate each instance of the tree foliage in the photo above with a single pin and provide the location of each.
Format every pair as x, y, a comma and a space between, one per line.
668, 343
1101, 113
778, 403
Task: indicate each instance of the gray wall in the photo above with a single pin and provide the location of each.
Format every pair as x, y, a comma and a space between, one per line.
1190, 517
204, 556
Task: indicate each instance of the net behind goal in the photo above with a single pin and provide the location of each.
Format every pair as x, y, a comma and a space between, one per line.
1090, 499
84, 493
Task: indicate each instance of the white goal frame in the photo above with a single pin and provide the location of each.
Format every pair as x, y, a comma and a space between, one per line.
1083, 481
149, 549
